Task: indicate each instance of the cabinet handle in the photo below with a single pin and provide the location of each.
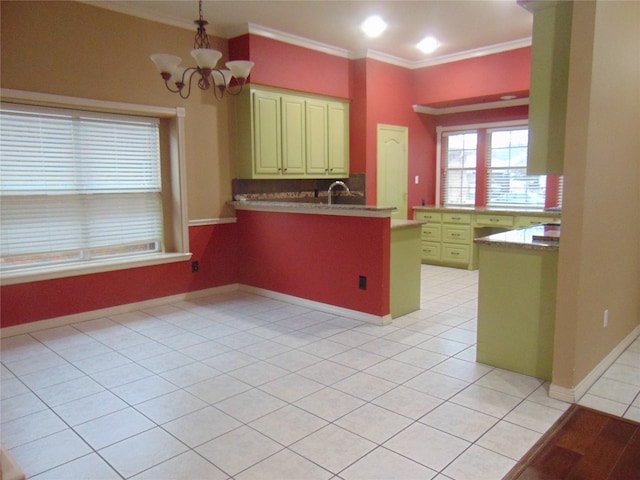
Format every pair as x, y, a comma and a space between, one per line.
494, 219
331, 169
455, 253
455, 218
285, 169
455, 234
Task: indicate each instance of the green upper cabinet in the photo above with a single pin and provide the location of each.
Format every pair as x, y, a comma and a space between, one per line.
267, 134
549, 84
338, 139
291, 134
317, 137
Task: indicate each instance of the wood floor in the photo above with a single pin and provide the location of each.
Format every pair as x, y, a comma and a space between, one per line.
584, 445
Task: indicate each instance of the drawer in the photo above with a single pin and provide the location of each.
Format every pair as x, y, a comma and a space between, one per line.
527, 221
431, 233
430, 251
428, 216
487, 220
455, 253
456, 234
456, 218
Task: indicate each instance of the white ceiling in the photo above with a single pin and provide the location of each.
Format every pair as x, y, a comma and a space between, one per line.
464, 27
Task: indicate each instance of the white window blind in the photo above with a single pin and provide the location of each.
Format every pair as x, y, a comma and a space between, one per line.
508, 184
460, 168
77, 186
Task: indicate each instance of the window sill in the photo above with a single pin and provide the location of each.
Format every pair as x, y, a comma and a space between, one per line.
86, 268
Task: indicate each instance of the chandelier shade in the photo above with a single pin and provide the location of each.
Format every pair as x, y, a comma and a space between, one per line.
178, 79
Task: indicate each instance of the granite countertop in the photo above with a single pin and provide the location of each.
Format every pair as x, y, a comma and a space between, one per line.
537, 237
511, 211
314, 208
397, 224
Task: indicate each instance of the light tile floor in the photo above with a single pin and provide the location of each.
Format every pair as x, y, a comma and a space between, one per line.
241, 386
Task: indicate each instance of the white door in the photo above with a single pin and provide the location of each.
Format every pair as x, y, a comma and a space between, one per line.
392, 165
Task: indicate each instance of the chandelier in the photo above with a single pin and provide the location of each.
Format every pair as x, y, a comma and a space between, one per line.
178, 78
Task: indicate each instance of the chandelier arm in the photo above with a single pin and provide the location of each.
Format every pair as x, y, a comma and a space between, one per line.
189, 73
234, 90
168, 85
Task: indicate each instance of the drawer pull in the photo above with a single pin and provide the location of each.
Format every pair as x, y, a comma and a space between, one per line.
455, 218
455, 253
494, 219
455, 234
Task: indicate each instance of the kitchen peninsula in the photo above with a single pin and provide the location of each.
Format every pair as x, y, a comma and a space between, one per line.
339, 257
517, 299
447, 237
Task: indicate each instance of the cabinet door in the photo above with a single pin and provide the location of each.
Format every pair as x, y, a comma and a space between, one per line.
293, 135
338, 139
266, 130
317, 137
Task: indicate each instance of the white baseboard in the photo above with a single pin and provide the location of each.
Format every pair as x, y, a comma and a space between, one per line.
129, 307
110, 311
574, 394
323, 307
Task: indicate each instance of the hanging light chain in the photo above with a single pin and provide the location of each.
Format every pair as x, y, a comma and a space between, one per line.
202, 39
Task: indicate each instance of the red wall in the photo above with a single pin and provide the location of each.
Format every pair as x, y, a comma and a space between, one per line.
475, 78
390, 101
279, 64
214, 247
317, 257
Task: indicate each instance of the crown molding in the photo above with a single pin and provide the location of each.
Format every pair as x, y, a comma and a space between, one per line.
471, 108
291, 39
254, 29
476, 52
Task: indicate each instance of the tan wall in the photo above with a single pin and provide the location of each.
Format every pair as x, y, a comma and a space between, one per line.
70, 48
599, 265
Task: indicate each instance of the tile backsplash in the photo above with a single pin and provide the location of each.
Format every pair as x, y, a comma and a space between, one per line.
303, 190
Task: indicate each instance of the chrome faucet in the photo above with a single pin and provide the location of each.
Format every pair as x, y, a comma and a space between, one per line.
336, 184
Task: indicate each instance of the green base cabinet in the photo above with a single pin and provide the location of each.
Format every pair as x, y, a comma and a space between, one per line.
405, 270
447, 237
516, 309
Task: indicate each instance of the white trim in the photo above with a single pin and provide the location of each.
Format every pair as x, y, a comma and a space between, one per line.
110, 311
131, 8
486, 125
154, 302
323, 307
470, 108
291, 39
50, 100
438, 165
476, 52
574, 394
212, 221
179, 221
86, 268
383, 57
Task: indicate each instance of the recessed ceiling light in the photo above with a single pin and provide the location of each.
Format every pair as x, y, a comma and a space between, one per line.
428, 45
373, 26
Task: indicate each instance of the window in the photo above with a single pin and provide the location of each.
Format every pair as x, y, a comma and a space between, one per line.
83, 190
460, 168
77, 186
508, 184
485, 165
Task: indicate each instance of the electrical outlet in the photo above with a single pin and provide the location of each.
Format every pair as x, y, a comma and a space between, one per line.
195, 266
362, 282
605, 319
